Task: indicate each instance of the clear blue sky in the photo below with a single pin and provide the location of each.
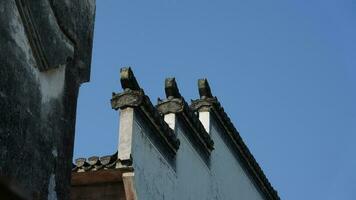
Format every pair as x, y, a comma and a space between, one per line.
285, 71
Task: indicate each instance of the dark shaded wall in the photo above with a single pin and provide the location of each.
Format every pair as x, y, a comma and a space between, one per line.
45, 54
107, 191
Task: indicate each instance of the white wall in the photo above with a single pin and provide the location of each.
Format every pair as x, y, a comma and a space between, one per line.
191, 178
230, 180
154, 177
193, 173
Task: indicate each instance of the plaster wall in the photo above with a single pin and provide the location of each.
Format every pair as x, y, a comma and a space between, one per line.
229, 179
190, 177
154, 177
192, 172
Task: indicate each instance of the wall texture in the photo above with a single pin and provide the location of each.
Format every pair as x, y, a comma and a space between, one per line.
229, 177
154, 177
191, 177
45, 55
200, 155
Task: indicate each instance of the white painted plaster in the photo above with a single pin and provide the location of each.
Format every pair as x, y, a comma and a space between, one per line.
204, 118
191, 178
170, 119
230, 179
193, 175
52, 195
126, 131
52, 83
154, 177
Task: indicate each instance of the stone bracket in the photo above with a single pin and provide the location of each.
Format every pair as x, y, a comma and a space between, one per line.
129, 98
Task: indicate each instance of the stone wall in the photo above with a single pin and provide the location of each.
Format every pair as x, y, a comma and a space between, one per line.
45, 55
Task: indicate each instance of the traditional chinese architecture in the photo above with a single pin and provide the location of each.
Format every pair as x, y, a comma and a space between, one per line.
172, 151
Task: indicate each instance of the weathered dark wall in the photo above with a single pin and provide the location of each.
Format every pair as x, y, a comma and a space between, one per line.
45, 54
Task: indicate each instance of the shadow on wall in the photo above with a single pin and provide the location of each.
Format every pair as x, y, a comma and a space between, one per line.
11, 190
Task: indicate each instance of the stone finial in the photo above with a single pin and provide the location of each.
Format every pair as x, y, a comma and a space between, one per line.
204, 89
171, 88
128, 80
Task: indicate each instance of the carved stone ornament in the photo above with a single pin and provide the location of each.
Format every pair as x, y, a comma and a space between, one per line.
128, 98
170, 106
134, 96
175, 103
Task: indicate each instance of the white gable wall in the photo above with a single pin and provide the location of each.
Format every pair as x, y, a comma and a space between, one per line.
230, 179
154, 177
191, 178
193, 174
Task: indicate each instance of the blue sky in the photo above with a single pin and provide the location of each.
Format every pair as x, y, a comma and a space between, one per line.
285, 72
